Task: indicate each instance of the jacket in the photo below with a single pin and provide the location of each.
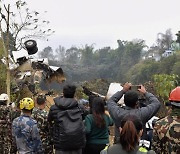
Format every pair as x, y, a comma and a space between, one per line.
96, 135
67, 128
144, 113
26, 135
166, 138
117, 148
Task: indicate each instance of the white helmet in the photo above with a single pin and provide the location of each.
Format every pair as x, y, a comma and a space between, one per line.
4, 97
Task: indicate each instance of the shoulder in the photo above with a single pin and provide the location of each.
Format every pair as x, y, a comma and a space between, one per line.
89, 116
30, 121
161, 123
116, 148
167, 122
38, 112
167, 127
53, 107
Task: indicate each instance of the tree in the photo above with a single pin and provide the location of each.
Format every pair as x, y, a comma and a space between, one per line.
164, 41
164, 83
24, 24
130, 56
47, 53
18, 25
73, 55
102, 55
87, 55
2, 70
178, 37
60, 53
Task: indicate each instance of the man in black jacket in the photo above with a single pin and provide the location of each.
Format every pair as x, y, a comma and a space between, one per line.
131, 101
65, 117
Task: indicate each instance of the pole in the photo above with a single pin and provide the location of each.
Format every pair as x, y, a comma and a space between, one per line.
8, 82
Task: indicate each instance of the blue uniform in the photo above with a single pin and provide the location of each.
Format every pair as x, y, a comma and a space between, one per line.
26, 135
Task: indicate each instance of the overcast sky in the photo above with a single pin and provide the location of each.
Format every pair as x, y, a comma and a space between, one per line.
103, 22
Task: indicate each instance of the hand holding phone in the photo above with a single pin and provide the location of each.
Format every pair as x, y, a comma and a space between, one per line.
142, 89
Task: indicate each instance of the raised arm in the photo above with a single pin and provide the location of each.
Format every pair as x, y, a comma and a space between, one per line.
153, 105
112, 105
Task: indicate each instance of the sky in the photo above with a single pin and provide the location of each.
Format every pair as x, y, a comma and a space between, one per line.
102, 22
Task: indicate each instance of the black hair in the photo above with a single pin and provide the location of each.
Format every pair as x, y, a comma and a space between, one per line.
129, 135
41, 99
3, 102
98, 111
27, 111
131, 98
69, 91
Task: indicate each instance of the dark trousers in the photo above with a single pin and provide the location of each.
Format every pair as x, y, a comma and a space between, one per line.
94, 148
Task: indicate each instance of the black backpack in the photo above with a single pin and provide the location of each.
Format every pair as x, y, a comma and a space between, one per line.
71, 129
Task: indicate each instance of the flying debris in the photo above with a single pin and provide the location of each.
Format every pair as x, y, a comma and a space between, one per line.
28, 71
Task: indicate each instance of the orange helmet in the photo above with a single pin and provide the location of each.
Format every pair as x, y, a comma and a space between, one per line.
174, 97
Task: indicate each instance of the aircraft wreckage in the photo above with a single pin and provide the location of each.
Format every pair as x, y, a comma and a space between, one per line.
28, 71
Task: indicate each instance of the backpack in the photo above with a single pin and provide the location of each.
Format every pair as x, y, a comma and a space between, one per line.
71, 129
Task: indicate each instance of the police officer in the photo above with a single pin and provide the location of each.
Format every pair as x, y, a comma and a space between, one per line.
167, 130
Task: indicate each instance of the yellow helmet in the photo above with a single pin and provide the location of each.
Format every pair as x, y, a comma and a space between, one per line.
26, 103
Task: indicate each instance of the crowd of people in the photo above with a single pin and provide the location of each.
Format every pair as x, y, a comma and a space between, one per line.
73, 127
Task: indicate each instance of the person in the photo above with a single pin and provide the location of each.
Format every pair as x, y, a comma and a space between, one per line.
5, 125
131, 106
97, 127
24, 130
131, 130
40, 115
65, 117
166, 137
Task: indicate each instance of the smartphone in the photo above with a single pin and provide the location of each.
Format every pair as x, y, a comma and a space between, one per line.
135, 87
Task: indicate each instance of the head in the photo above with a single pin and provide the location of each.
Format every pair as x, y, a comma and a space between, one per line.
98, 111
27, 105
69, 91
174, 97
4, 99
131, 98
41, 100
130, 132
98, 105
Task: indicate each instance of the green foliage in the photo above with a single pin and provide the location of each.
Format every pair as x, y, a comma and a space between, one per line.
164, 84
87, 55
164, 41
47, 53
178, 37
142, 72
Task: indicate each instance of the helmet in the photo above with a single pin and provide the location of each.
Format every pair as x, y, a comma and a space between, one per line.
26, 103
4, 97
174, 97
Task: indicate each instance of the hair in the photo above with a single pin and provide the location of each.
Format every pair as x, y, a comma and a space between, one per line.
3, 102
41, 99
27, 111
129, 135
69, 91
98, 111
131, 98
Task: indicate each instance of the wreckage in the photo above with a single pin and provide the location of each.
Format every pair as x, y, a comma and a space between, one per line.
29, 71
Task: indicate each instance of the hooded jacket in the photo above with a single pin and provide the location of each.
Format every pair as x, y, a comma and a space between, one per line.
67, 128
144, 113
